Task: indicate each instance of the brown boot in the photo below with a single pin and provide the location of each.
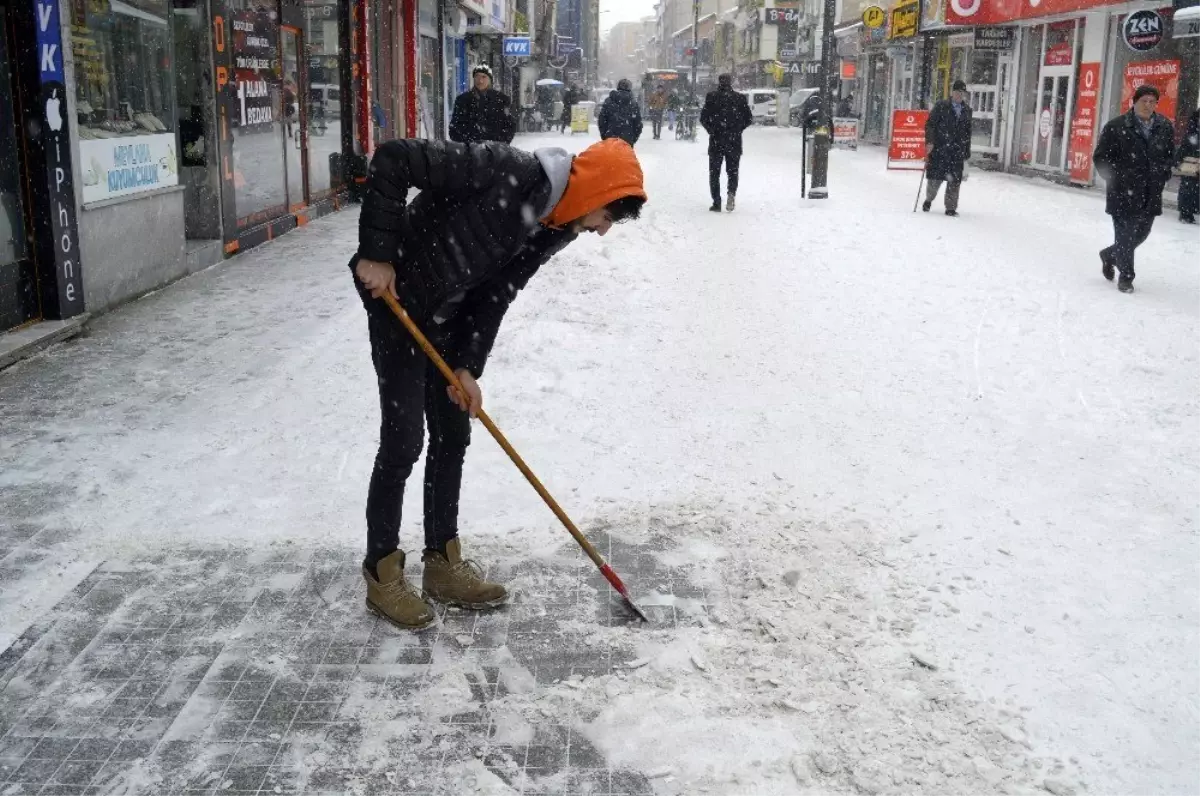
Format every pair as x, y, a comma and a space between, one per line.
393, 597
451, 580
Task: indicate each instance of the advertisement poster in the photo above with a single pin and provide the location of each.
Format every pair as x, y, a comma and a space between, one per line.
1163, 75
845, 132
113, 167
255, 52
1083, 126
906, 150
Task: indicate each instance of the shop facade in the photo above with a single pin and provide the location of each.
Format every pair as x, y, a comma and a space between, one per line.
41, 270
1072, 65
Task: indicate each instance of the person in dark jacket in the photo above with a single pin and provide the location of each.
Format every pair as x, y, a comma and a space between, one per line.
571, 98
947, 147
483, 113
1134, 156
486, 218
620, 116
726, 116
1187, 161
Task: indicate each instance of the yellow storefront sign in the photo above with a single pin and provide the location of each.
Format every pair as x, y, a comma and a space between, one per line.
904, 21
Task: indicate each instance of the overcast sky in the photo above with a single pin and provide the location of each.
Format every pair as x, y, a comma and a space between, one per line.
614, 11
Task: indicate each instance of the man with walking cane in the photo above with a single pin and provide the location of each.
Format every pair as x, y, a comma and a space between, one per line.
486, 218
947, 147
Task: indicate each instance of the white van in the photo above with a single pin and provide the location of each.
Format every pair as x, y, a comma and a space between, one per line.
762, 104
325, 98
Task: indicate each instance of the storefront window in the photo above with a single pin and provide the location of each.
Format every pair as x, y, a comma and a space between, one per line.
125, 96
1050, 68
259, 171
322, 35
1171, 66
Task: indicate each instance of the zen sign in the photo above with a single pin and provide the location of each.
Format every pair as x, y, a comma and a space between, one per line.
1142, 30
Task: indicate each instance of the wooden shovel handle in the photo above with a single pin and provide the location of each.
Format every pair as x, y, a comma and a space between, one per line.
437, 360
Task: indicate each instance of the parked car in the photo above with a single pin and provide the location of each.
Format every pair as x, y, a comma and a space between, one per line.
762, 104
804, 102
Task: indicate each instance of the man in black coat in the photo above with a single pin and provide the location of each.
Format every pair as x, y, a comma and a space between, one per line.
726, 116
1134, 156
947, 147
620, 116
486, 218
483, 113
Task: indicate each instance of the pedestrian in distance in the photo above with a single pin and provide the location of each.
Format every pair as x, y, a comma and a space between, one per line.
620, 116
571, 98
947, 147
1134, 156
674, 106
725, 116
1187, 164
486, 218
482, 113
657, 104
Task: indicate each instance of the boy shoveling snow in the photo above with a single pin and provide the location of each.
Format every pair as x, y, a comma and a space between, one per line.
486, 218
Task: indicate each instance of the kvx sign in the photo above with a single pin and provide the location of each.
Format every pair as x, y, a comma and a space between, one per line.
520, 46
51, 135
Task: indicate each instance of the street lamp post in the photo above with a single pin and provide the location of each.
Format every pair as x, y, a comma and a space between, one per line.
695, 43
823, 137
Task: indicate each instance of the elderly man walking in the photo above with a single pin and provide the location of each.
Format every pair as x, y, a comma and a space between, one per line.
948, 147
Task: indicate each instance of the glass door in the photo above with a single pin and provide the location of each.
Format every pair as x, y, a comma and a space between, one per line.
1056, 91
18, 278
293, 114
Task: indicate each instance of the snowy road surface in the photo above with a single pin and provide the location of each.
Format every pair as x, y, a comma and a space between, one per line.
880, 436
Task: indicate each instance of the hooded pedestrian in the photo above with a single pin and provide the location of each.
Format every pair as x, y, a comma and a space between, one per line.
486, 218
620, 116
482, 113
726, 116
947, 147
1134, 156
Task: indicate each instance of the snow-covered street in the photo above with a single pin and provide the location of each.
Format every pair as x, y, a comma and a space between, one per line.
914, 500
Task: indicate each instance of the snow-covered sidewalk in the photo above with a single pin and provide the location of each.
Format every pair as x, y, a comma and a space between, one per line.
913, 498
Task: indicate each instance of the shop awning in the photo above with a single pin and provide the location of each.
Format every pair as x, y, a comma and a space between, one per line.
1186, 22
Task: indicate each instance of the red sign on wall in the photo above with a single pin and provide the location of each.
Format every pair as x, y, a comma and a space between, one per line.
998, 12
1163, 75
1083, 126
907, 147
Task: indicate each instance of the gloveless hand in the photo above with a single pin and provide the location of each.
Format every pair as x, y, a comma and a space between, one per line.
473, 400
377, 277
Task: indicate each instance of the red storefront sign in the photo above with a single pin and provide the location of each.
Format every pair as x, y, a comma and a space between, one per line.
1058, 54
907, 147
1163, 75
1083, 126
849, 69
998, 12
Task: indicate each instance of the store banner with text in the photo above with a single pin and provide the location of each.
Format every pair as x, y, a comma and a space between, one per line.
906, 149
113, 167
257, 82
1083, 126
1163, 75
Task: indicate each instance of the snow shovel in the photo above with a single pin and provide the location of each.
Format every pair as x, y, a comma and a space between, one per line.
920, 185
591, 551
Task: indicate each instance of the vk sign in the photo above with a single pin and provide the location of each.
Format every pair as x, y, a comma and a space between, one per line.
520, 46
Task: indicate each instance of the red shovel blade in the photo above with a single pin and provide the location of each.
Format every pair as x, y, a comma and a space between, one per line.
617, 584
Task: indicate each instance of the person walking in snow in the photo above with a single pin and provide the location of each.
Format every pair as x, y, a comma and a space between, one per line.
483, 113
486, 218
674, 105
620, 116
726, 116
657, 105
1134, 156
947, 147
1187, 161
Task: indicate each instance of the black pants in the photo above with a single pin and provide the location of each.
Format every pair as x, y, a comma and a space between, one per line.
1129, 232
411, 393
656, 118
732, 161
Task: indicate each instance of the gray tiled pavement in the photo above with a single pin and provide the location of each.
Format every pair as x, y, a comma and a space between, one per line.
231, 671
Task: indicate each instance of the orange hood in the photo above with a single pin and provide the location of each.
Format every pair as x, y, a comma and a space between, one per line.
602, 173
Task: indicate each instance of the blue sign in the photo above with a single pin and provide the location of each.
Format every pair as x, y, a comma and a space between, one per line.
566, 47
49, 41
520, 46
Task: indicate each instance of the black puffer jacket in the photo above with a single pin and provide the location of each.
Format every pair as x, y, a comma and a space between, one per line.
467, 243
1135, 170
725, 117
620, 117
482, 116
